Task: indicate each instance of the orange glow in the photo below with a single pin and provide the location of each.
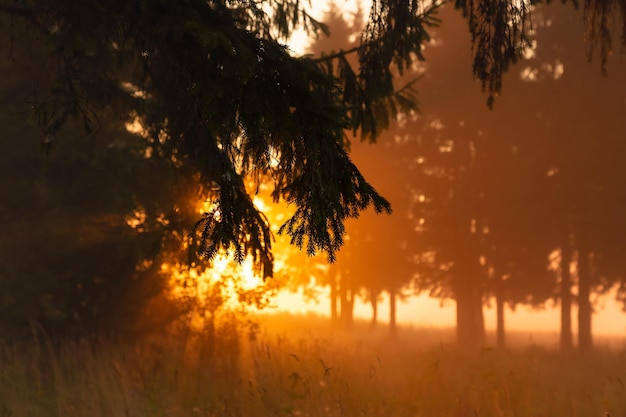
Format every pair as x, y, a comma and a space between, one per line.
200, 282
229, 285
427, 312
225, 286
206, 206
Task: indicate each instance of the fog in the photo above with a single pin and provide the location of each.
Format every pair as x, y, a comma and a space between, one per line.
509, 217
496, 286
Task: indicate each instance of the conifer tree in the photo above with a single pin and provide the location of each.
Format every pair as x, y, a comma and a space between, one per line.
218, 93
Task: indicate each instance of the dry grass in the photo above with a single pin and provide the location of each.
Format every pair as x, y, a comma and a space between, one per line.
306, 369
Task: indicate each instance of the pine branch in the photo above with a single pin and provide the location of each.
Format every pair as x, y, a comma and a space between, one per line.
341, 54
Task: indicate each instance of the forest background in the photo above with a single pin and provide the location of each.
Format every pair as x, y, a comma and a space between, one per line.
109, 306
515, 204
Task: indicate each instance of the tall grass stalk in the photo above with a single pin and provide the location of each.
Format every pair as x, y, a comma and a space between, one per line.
305, 374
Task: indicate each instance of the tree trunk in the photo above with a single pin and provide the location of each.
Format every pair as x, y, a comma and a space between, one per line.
343, 300
500, 335
469, 316
333, 298
584, 304
478, 323
393, 328
469, 305
462, 316
350, 308
374, 302
566, 298
346, 298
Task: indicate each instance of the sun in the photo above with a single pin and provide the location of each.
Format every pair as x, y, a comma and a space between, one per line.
223, 284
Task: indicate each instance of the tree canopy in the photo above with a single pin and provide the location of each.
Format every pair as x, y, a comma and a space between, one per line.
219, 95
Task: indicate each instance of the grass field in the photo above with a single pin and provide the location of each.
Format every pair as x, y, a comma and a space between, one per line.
301, 367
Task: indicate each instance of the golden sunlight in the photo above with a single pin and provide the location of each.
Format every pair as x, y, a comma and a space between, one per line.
225, 284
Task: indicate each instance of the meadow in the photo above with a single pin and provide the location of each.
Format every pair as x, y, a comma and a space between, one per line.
302, 367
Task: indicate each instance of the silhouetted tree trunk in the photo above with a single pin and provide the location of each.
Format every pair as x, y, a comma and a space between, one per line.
393, 327
500, 335
333, 297
584, 304
374, 302
349, 316
462, 317
346, 299
566, 298
469, 306
343, 300
470, 319
478, 325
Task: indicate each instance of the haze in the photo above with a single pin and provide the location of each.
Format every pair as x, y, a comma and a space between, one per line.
495, 288
547, 145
